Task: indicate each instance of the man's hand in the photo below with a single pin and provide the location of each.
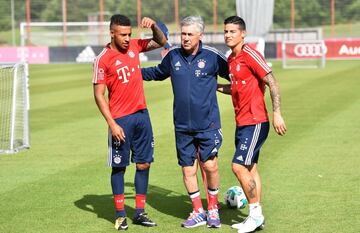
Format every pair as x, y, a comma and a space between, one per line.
146, 22
117, 132
279, 124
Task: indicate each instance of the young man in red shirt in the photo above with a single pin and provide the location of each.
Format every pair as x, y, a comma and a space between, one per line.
249, 74
117, 69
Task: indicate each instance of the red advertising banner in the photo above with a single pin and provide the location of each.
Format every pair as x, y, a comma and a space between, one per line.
32, 55
343, 48
333, 49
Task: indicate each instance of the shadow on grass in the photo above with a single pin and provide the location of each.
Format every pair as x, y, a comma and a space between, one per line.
163, 200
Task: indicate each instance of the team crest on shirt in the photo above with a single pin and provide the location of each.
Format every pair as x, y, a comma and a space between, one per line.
201, 63
131, 54
238, 67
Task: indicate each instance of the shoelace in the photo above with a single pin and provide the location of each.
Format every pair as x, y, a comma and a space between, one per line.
193, 215
213, 214
144, 216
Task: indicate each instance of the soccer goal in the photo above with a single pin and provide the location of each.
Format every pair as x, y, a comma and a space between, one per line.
64, 34
303, 54
14, 107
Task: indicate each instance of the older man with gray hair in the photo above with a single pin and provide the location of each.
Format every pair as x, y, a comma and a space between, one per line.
193, 69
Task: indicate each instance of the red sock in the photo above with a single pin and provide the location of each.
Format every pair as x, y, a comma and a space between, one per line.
196, 202
119, 202
213, 198
140, 200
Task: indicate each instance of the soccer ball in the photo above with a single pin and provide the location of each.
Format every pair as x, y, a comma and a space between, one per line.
235, 198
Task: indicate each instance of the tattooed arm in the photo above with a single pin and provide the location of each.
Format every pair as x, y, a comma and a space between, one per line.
278, 121
159, 39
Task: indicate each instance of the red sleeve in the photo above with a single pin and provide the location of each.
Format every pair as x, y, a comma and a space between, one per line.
99, 71
256, 62
142, 44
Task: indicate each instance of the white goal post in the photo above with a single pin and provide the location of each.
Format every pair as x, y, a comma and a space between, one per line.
14, 107
303, 54
60, 34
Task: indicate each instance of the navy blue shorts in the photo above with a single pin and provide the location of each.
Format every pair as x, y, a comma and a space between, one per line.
139, 139
189, 144
248, 141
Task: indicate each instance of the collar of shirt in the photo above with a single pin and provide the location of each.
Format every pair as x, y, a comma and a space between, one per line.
190, 57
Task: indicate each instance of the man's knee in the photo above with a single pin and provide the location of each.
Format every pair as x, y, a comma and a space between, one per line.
142, 166
211, 165
238, 168
189, 171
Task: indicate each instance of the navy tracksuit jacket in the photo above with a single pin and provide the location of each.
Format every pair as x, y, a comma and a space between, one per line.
194, 83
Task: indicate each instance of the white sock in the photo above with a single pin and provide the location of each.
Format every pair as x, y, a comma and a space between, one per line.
255, 209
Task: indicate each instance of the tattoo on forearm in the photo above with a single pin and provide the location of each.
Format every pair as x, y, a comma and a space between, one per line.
157, 39
152, 45
274, 91
252, 188
158, 35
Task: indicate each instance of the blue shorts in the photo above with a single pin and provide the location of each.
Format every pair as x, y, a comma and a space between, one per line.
248, 141
189, 144
139, 139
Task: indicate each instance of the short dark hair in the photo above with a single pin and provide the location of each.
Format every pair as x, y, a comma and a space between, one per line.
121, 20
236, 20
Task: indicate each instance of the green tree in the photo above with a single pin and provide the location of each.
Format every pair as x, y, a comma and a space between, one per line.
282, 14
5, 15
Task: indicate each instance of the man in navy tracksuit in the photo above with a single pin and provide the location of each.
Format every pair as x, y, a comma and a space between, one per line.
193, 69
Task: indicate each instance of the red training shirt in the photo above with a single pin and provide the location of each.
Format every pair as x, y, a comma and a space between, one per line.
121, 73
247, 71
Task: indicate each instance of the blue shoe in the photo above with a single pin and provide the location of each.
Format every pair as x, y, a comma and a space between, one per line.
194, 220
213, 219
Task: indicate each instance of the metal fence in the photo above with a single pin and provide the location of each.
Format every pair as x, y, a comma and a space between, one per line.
336, 18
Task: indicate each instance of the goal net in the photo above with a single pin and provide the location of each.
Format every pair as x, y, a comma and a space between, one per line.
14, 107
64, 34
303, 54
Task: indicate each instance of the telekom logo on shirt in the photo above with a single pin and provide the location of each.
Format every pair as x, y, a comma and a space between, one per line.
123, 73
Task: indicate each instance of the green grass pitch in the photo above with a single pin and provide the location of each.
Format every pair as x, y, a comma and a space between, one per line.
311, 177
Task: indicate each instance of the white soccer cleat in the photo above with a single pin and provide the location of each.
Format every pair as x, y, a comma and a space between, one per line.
250, 224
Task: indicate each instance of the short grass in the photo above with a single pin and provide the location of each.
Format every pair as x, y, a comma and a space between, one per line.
310, 176
348, 30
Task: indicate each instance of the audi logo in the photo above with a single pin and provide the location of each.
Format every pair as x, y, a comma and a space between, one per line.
309, 50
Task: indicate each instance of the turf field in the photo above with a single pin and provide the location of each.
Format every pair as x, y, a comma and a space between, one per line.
311, 177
